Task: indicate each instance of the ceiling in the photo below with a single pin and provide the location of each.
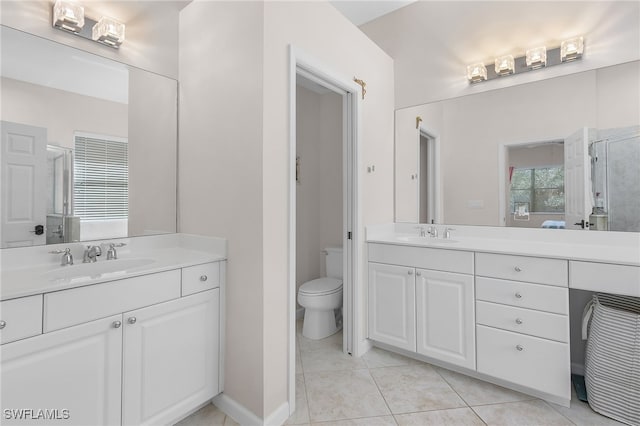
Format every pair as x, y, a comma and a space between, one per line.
361, 12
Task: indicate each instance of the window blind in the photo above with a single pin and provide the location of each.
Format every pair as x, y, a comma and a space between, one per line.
101, 178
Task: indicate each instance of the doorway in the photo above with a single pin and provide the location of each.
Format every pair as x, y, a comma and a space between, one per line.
428, 176
304, 68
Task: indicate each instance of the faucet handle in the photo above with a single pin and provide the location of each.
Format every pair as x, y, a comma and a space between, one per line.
111, 253
447, 233
67, 258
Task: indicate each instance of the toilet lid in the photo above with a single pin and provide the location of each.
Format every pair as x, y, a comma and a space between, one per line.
321, 286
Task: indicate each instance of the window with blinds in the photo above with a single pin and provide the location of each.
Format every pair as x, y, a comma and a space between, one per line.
101, 178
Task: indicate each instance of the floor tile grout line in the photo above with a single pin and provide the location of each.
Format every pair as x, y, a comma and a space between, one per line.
382, 395
451, 386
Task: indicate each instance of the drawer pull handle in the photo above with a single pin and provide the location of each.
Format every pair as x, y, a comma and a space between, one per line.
518, 269
410, 272
3, 324
418, 273
132, 320
117, 324
203, 278
518, 321
520, 348
518, 295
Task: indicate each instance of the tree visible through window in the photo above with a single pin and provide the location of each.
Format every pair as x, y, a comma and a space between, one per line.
101, 178
542, 188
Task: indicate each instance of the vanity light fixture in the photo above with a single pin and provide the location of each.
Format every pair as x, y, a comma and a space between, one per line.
535, 58
571, 49
108, 31
477, 72
68, 16
505, 65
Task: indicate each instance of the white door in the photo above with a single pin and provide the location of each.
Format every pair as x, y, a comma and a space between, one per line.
170, 358
77, 369
445, 317
392, 309
23, 188
577, 180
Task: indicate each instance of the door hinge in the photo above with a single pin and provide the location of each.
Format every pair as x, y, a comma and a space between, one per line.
349, 235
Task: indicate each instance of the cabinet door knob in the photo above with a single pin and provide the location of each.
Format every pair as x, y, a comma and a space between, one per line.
117, 324
518, 321
410, 272
518, 295
132, 320
520, 348
418, 273
203, 278
517, 269
3, 324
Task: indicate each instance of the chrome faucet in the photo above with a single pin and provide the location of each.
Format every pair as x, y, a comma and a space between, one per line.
91, 254
111, 252
433, 231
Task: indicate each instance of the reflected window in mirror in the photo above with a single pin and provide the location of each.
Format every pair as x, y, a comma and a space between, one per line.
541, 188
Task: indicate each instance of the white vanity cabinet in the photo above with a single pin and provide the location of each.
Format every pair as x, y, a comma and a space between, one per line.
392, 306
422, 300
522, 322
170, 358
75, 373
151, 357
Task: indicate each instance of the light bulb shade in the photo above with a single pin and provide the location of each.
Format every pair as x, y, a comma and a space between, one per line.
505, 65
571, 49
476, 72
536, 58
108, 31
68, 16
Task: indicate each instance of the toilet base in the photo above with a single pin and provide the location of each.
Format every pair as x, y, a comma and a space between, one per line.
319, 324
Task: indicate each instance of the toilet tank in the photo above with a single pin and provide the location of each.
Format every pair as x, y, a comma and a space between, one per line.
334, 262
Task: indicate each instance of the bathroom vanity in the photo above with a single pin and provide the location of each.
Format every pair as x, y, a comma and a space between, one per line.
136, 340
492, 303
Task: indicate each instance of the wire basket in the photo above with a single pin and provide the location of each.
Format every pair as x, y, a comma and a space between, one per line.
612, 362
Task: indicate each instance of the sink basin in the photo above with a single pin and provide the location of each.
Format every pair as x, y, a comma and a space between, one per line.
96, 270
426, 240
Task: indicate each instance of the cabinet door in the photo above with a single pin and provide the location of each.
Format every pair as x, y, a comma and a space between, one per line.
392, 309
67, 377
170, 358
445, 317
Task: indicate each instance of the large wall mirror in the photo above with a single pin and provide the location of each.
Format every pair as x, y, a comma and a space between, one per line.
557, 153
89, 145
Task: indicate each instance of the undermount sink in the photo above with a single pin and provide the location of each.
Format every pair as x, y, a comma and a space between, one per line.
97, 269
425, 240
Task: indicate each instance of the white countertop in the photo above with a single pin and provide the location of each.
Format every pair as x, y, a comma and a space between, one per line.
563, 244
159, 254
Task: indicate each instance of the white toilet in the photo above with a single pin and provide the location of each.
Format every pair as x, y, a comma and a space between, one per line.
322, 298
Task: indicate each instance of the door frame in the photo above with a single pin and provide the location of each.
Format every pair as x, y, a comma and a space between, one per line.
434, 203
353, 339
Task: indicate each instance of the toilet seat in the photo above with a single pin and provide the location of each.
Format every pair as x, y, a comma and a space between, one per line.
321, 287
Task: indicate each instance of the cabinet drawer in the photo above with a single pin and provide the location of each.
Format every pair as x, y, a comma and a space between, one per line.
78, 305
200, 277
536, 363
20, 318
422, 257
526, 321
522, 268
605, 277
524, 295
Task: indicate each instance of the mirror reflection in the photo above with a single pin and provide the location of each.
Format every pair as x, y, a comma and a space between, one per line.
562, 153
88, 145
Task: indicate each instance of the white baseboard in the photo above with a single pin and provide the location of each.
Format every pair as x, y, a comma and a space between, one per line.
279, 416
577, 368
246, 417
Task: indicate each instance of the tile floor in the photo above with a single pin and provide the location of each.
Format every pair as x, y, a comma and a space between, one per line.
382, 388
